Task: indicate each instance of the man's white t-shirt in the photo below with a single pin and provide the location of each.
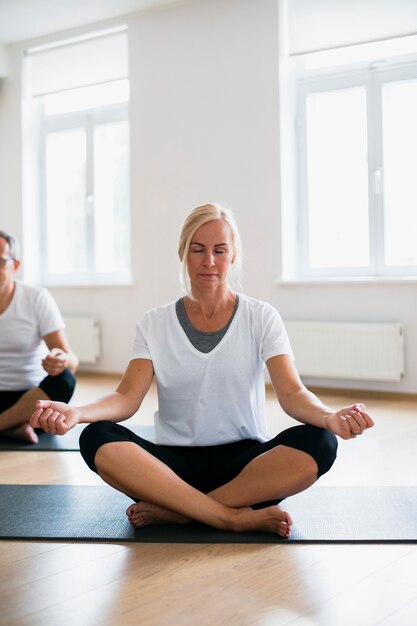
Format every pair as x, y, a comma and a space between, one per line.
216, 397
31, 315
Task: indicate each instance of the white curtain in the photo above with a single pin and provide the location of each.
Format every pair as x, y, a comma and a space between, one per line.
325, 24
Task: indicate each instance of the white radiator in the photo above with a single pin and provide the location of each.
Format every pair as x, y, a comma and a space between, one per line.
83, 333
355, 351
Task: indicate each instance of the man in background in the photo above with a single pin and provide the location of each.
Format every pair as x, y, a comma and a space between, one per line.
36, 360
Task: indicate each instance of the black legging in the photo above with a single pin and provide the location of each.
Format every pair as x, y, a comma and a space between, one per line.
207, 468
60, 387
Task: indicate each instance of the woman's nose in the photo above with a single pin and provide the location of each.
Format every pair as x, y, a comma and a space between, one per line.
209, 259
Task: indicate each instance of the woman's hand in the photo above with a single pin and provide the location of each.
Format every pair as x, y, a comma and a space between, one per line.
349, 421
56, 418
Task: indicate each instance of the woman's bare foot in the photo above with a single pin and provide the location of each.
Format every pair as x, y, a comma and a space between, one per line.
23, 432
145, 513
271, 519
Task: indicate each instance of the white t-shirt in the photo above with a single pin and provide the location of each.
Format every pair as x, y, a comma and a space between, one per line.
31, 315
216, 397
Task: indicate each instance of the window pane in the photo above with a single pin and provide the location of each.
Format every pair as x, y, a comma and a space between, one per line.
337, 178
111, 184
65, 201
400, 192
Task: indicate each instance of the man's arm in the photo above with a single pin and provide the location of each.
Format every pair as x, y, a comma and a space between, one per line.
60, 354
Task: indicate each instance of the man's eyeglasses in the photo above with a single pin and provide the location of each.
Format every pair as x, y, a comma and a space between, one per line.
4, 261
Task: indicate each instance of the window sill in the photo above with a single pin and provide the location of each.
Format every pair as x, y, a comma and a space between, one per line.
90, 284
348, 280
86, 285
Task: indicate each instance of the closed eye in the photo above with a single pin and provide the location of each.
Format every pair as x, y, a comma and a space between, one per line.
199, 250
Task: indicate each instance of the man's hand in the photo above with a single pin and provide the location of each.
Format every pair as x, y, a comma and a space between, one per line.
55, 362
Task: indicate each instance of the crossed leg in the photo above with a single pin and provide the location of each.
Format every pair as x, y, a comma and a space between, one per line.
16, 407
164, 497
14, 421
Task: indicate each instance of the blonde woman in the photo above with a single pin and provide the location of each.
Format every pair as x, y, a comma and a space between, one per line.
213, 460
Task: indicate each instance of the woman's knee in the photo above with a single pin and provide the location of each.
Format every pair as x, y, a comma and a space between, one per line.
326, 451
317, 442
93, 437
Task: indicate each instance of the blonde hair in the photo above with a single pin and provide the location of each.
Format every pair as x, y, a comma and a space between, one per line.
195, 219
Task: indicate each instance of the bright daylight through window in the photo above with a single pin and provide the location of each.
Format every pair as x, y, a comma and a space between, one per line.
83, 173
356, 199
86, 184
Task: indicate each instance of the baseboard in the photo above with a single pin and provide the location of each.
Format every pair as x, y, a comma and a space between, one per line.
86, 374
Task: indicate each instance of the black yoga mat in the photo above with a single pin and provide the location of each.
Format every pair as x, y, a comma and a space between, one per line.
320, 514
64, 443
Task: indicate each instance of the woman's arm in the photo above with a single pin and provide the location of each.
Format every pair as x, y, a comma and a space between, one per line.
301, 404
58, 417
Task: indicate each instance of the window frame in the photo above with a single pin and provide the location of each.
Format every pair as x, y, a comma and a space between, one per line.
372, 76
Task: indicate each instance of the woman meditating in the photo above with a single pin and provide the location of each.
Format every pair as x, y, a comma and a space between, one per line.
213, 459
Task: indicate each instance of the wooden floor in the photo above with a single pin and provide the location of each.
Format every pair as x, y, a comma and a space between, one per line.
53, 584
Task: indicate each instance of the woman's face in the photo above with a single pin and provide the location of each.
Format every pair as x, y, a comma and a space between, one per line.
210, 255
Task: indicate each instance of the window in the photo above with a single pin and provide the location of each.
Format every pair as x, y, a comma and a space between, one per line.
81, 166
85, 185
356, 201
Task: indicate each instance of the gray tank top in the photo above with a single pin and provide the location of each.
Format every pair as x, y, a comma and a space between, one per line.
204, 342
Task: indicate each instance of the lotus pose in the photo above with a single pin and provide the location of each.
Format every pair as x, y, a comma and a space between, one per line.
213, 459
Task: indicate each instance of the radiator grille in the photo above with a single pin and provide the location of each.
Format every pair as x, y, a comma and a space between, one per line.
354, 351
83, 333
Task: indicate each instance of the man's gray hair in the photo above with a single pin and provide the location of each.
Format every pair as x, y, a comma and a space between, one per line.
13, 248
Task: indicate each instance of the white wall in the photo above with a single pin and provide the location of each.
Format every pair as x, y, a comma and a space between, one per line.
204, 120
